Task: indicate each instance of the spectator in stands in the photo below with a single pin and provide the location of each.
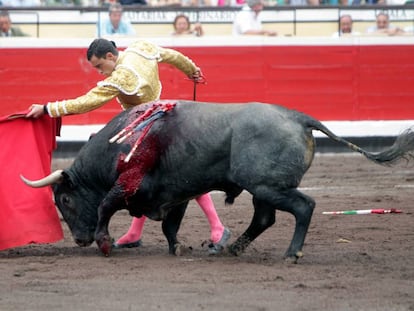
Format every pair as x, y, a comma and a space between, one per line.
182, 26
248, 21
383, 26
115, 24
6, 28
345, 27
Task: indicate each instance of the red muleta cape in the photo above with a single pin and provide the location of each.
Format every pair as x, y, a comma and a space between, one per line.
27, 215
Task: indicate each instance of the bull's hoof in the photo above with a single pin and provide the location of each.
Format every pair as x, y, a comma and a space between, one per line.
105, 245
235, 250
293, 259
238, 247
182, 250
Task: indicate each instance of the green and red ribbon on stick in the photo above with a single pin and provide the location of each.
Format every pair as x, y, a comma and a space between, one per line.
365, 212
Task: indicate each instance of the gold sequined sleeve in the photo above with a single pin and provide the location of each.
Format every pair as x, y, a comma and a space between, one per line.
178, 60
121, 80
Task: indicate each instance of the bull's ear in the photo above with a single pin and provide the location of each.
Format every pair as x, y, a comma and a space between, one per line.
67, 180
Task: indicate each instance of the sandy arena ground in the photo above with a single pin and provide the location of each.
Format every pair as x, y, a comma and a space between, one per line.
363, 262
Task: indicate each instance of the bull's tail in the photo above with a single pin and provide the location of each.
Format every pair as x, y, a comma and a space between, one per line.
403, 147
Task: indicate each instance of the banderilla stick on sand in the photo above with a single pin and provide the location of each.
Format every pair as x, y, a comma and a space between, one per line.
364, 212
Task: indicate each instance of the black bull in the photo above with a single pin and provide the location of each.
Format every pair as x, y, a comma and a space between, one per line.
195, 148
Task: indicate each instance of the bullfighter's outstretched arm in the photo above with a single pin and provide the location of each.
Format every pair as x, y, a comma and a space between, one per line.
178, 60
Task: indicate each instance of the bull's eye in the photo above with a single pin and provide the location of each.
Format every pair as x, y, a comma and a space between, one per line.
66, 200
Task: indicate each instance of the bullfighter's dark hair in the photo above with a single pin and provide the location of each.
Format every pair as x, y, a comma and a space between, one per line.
99, 48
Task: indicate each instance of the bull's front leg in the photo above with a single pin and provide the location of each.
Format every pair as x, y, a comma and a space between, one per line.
109, 205
171, 225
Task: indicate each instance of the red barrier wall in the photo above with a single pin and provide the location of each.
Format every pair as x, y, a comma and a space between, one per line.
330, 82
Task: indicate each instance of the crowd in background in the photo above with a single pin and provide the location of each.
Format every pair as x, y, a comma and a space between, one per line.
28, 3
246, 22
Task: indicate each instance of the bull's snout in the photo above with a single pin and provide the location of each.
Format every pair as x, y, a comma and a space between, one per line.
83, 243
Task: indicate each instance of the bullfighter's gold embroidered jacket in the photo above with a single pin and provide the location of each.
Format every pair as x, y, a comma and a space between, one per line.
134, 81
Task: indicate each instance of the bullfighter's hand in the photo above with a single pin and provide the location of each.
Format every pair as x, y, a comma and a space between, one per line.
197, 76
36, 111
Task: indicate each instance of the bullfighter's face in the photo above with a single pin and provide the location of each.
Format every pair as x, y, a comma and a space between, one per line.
104, 65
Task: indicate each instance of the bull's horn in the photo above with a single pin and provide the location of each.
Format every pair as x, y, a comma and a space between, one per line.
54, 177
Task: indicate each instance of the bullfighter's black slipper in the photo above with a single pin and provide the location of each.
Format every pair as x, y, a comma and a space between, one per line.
128, 245
217, 248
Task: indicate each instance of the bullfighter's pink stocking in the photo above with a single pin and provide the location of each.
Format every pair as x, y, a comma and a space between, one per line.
206, 203
216, 227
134, 232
